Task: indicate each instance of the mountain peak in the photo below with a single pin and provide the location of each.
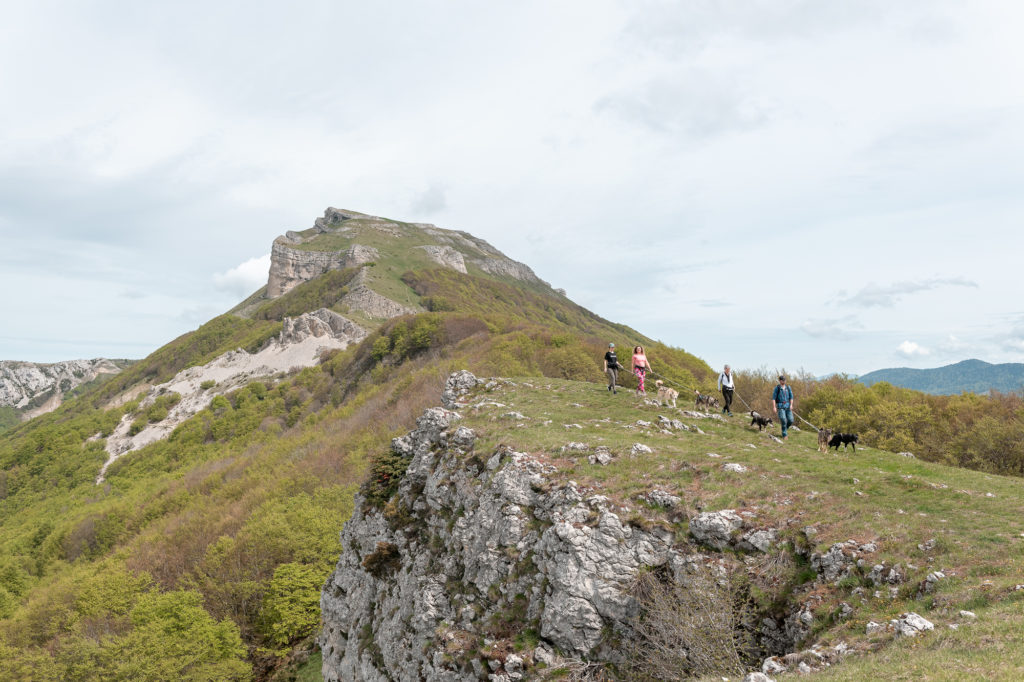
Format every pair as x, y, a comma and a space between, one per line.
343, 239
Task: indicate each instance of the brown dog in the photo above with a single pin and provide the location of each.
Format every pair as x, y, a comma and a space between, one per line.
666, 395
824, 435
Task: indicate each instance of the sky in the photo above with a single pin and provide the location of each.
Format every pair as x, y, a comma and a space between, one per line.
816, 186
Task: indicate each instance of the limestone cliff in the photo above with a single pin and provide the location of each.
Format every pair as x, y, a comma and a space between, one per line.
290, 267
40, 387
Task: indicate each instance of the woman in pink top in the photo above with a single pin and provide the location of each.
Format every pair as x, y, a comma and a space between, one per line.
640, 368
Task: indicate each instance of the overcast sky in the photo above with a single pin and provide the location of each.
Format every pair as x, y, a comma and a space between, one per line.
833, 186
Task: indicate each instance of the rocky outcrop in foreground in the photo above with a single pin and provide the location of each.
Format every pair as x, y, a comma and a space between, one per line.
28, 385
473, 541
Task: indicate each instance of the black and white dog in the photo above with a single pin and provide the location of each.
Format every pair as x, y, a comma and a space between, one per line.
705, 401
843, 439
762, 422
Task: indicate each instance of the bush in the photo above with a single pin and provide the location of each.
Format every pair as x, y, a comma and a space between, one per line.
386, 472
683, 631
383, 560
291, 606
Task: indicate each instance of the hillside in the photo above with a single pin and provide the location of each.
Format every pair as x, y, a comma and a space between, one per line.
537, 529
187, 510
975, 376
180, 519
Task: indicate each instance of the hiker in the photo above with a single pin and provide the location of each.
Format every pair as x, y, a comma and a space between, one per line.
640, 368
727, 385
611, 367
783, 403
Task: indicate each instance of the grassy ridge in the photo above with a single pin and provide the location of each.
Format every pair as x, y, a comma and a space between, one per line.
974, 519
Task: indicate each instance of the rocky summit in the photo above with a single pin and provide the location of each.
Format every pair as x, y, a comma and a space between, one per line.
343, 239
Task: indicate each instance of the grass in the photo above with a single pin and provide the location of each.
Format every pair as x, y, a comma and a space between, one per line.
977, 519
310, 670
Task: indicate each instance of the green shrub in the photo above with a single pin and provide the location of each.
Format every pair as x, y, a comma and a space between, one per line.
138, 425
291, 605
386, 472
383, 560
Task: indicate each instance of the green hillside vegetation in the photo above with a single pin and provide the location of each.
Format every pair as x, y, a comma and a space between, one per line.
969, 430
975, 376
976, 521
8, 417
323, 292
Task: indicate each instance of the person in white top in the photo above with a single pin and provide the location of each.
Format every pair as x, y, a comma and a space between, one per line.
727, 385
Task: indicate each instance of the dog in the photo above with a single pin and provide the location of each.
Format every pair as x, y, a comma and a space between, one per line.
824, 435
762, 422
844, 439
705, 401
666, 394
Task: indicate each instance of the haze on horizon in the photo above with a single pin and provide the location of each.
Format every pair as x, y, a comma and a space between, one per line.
826, 186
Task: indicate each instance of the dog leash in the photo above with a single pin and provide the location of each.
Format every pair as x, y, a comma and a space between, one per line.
735, 393
816, 429
670, 381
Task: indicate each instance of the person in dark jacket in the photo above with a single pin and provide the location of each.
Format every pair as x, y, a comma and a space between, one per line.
611, 367
783, 404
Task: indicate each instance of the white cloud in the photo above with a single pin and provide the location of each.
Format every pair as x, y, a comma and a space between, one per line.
911, 349
839, 329
244, 278
890, 294
431, 201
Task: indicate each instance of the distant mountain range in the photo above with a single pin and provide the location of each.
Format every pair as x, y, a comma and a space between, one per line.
975, 376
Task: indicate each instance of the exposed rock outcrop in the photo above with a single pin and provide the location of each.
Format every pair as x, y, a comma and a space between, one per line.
34, 386
445, 256
301, 343
290, 267
483, 255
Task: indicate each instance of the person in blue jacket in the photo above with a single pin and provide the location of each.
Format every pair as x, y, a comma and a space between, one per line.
783, 404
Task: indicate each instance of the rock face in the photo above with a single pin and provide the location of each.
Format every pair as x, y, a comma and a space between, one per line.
446, 256
290, 267
470, 539
28, 385
481, 254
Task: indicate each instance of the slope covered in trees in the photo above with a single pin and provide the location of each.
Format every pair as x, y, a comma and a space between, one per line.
204, 553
